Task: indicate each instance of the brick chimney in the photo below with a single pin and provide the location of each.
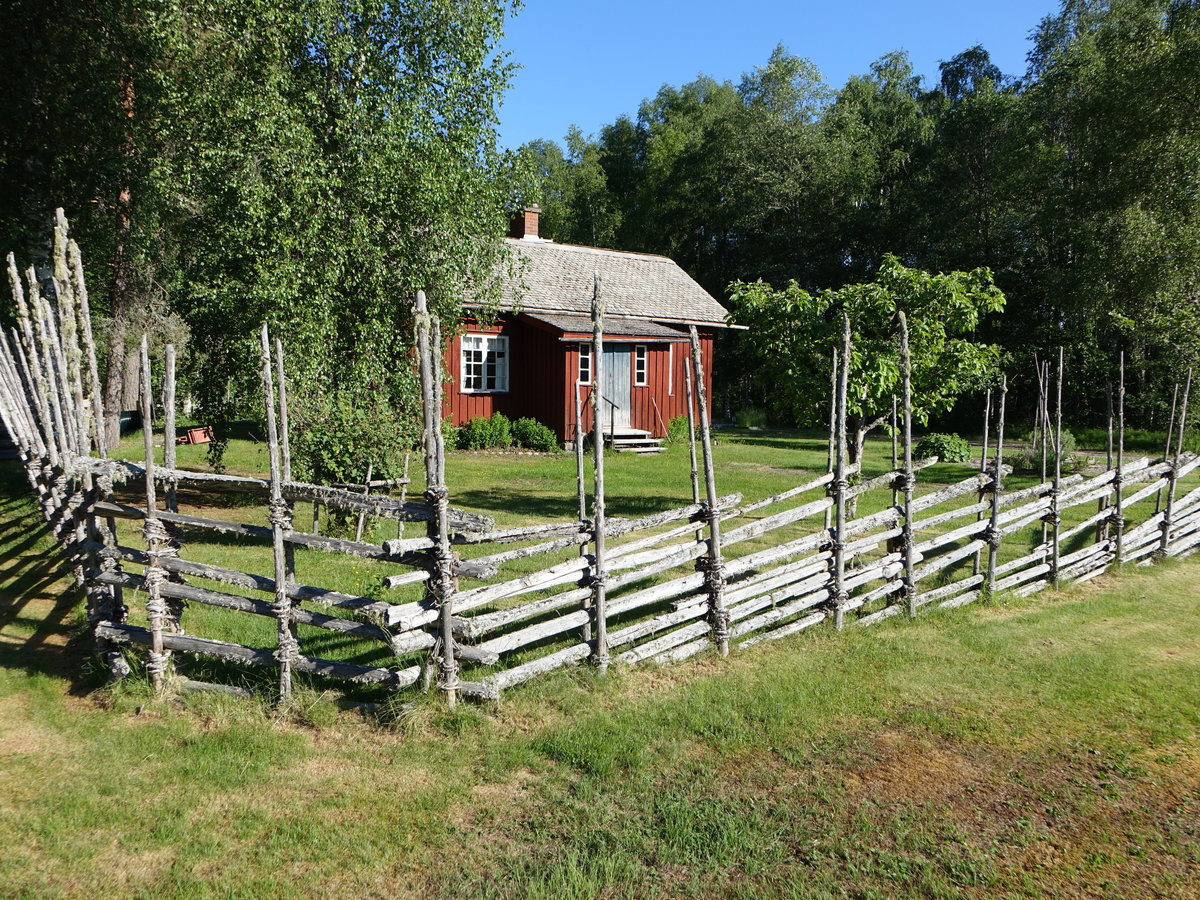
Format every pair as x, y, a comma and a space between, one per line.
525, 222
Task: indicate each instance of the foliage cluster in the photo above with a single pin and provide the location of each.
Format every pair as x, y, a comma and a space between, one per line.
751, 417
794, 334
1030, 457
497, 432
677, 430
949, 448
307, 164
334, 437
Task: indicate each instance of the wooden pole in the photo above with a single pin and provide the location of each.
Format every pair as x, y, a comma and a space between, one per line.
157, 539
839, 484
895, 450
362, 516
599, 575
441, 585
833, 420
1167, 448
993, 535
983, 454
712, 565
585, 633
691, 420
906, 533
85, 319
1102, 526
403, 494
280, 515
580, 489
1118, 516
1173, 477
169, 425
1044, 428
1053, 519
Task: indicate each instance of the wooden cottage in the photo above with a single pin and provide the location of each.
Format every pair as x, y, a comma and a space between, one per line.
533, 359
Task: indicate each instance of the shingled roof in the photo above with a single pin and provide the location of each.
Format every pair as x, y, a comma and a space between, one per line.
558, 278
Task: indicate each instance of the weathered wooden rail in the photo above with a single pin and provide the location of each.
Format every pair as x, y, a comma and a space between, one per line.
719, 573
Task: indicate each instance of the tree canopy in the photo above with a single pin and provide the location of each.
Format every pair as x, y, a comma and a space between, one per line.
794, 333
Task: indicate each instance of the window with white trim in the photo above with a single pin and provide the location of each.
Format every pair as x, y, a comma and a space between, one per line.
639, 365
585, 363
484, 363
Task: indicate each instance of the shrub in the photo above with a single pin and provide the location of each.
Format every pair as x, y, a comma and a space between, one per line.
751, 418
336, 436
484, 434
677, 430
951, 448
533, 435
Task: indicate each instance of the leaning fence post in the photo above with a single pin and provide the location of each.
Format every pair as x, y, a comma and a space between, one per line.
599, 574
833, 425
441, 585
691, 423
907, 478
993, 533
1118, 513
169, 427
280, 514
983, 454
1158, 497
712, 565
1169, 510
585, 632
1053, 518
839, 484
157, 540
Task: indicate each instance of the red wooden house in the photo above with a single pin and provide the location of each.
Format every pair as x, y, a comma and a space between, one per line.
534, 357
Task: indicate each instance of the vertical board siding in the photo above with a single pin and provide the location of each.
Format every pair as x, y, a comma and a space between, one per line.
535, 363
662, 374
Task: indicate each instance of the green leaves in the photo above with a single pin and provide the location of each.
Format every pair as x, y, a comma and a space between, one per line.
794, 333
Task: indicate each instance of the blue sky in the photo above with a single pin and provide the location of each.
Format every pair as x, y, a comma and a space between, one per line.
587, 62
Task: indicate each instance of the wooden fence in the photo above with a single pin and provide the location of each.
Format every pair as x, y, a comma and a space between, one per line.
719, 573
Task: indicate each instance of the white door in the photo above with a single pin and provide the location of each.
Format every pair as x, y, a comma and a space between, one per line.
618, 364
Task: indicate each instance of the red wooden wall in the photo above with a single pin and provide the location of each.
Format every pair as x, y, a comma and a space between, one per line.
542, 372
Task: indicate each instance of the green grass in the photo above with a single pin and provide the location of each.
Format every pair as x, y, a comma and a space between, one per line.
1021, 749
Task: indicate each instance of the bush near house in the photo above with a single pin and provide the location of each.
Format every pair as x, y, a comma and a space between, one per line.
950, 448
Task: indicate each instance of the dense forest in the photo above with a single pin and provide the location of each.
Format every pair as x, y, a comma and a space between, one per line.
1077, 183
234, 161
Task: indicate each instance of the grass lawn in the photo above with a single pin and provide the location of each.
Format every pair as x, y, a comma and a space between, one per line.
1027, 748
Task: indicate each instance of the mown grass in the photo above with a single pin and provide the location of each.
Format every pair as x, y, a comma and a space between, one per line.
1021, 749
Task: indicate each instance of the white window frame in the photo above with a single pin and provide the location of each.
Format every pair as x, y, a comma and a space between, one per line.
492, 347
584, 365
641, 366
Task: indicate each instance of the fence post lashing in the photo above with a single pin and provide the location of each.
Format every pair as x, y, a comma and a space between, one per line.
441, 583
598, 575
1169, 510
280, 514
993, 534
1118, 514
907, 479
712, 565
1053, 518
839, 484
158, 543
